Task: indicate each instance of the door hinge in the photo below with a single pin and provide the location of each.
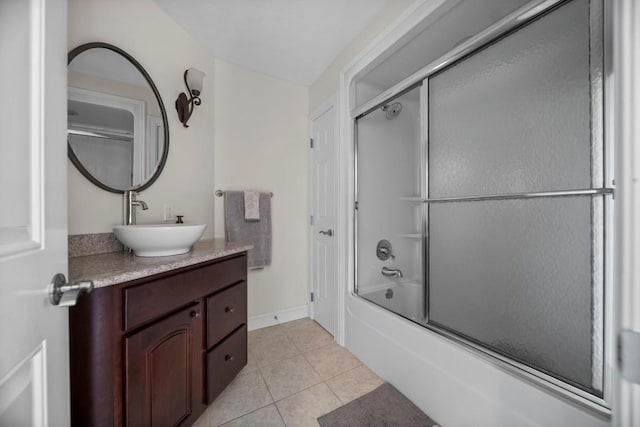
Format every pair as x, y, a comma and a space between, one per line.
629, 355
311, 142
356, 205
311, 220
311, 296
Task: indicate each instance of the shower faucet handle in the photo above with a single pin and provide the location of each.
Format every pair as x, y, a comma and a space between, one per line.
384, 250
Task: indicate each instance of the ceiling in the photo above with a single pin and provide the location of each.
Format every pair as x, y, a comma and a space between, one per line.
293, 40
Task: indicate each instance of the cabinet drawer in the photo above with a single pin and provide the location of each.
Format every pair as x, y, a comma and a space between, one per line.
148, 301
226, 311
225, 361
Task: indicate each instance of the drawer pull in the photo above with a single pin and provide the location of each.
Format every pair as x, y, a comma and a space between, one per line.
228, 358
195, 314
229, 310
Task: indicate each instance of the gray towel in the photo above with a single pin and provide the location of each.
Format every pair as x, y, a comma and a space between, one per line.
258, 233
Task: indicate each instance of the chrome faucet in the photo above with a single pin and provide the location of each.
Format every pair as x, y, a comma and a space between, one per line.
391, 272
130, 204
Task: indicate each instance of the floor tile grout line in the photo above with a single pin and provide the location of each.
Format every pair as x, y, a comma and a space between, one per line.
266, 384
347, 371
310, 364
303, 390
280, 413
335, 376
307, 388
292, 394
327, 379
249, 413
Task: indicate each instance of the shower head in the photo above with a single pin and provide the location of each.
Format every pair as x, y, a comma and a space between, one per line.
392, 110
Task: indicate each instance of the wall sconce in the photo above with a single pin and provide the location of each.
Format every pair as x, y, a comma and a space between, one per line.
184, 106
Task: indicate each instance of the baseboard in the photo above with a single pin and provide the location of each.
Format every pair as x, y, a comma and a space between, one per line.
269, 319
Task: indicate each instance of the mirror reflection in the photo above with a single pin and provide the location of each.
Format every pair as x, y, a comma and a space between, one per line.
116, 121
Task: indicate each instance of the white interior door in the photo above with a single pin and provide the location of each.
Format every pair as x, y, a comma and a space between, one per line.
323, 211
34, 362
626, 37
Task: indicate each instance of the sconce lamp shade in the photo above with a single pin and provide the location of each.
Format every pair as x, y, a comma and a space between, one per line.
194, 80
185, 102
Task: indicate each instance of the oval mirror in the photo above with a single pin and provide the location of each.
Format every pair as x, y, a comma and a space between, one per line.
118, 136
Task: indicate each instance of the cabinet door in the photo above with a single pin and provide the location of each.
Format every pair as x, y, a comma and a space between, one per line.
164, 371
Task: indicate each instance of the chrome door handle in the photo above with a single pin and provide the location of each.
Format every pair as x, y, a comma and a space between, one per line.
329, 232
59, 286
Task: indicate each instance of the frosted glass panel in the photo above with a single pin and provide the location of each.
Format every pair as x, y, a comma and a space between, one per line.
516, 276
515, 117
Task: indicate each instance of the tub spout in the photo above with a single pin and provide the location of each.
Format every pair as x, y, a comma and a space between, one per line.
391, 272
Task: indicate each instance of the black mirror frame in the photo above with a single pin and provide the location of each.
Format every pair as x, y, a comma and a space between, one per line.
165, 153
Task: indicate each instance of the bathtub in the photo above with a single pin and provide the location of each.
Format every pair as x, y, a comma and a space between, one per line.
404, 298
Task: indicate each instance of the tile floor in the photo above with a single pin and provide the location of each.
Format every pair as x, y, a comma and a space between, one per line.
295, 373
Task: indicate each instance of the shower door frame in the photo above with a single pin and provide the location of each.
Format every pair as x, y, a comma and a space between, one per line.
602, 124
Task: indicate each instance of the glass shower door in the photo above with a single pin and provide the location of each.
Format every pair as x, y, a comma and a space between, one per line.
485, 185
515, 247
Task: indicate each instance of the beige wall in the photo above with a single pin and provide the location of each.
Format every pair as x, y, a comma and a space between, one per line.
327, 84
261, 143
257, 124
165, 51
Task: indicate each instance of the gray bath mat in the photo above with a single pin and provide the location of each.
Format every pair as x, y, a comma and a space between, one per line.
383, 407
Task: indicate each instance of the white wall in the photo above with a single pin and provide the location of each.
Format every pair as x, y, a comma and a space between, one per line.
165, 51
389, 169
261, 143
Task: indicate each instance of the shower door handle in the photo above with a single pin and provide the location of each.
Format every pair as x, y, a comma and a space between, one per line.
329, 232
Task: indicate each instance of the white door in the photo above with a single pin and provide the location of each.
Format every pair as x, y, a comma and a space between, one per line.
34, 362
323, 211
626, 36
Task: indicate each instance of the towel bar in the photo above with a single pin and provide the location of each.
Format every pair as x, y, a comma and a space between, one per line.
220, 193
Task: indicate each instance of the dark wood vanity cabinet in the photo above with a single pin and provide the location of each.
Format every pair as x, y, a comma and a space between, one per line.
156, 351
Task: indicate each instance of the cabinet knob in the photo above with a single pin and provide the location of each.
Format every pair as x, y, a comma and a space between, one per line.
228, 358
229, 310
195, 314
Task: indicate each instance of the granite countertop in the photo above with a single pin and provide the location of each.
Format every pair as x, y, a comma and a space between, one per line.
118, 267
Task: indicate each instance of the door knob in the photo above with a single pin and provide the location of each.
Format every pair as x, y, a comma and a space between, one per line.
65, 294
328, 232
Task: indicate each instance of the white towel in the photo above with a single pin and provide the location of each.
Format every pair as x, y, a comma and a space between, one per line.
251, 206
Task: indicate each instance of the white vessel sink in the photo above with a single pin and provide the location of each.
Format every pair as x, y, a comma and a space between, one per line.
159, 239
